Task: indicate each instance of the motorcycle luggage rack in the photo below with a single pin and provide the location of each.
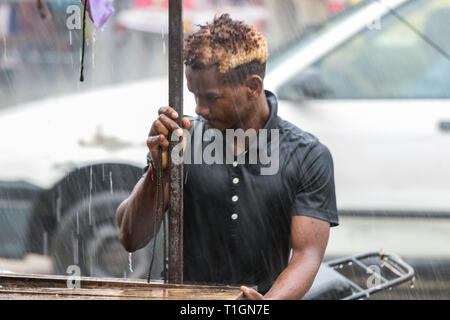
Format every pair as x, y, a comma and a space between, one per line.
371, 272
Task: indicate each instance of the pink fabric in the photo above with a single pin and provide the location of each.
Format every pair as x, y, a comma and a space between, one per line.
99, 11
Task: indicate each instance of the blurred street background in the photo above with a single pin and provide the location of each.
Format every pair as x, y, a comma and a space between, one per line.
41, 58
370, 78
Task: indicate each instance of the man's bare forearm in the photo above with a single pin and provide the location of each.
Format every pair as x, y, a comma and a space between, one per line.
136, 215
295, 281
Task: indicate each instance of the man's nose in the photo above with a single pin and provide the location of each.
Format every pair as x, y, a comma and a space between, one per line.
202, 109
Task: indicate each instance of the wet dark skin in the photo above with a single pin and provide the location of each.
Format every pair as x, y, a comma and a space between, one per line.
224, 107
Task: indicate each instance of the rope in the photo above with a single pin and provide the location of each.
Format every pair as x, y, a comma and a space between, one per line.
159, 194
84, 41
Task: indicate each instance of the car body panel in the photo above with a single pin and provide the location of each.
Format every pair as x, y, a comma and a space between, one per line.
48, 139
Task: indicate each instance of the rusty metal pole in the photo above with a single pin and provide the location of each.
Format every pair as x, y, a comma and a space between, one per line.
175, 171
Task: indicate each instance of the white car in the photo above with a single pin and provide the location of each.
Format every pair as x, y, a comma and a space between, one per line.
373, 84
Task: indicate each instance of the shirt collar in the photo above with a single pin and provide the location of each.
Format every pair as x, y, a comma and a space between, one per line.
273, 105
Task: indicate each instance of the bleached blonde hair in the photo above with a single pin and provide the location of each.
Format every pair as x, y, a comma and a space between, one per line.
227, 44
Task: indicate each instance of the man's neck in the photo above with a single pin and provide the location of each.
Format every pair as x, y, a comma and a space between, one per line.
259, 116
256, 120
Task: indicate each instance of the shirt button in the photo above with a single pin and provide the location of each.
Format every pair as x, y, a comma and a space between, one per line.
234, 216
235, 198
235, 164
236, 180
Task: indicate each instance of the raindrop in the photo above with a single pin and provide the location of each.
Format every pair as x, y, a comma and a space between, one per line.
350, 263
164, 47
93, 47
390, 288
90, 178
341, 266
90, 211
75, 250
412, 283
91, 265
110, 182
45, 243
70, 37
130, 262
58, 208
4, 47
78, 223
90, 196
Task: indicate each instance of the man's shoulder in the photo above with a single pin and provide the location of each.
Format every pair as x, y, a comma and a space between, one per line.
295, 135
302, 145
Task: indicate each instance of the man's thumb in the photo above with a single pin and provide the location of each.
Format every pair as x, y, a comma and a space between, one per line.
187, 124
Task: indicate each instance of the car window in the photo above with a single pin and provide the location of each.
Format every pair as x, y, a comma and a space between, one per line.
404, 55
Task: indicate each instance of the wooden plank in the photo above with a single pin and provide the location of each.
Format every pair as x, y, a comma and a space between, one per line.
30, 287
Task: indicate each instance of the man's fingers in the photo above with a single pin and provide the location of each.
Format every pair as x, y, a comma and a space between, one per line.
160, 128
251, 294
168, 123
155, 141
187, 124
169, 112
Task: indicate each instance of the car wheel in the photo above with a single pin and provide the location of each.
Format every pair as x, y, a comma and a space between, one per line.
88, 238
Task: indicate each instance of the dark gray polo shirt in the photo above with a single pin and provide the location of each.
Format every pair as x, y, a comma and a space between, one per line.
237, 221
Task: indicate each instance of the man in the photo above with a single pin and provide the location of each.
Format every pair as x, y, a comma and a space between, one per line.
241, 217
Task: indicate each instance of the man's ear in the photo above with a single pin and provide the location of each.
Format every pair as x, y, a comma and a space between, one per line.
254, 85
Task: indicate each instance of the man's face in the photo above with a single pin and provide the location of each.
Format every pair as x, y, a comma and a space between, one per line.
223, 106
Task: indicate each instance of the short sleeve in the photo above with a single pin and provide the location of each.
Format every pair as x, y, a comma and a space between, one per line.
315, 194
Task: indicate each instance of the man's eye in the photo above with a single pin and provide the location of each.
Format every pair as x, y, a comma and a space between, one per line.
212, 98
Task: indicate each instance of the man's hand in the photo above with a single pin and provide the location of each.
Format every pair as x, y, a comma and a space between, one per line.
251, 294
160, 130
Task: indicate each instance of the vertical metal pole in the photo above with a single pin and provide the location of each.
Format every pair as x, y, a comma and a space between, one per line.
175, 171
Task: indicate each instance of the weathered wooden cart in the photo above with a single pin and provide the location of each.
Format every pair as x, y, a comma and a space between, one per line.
43, 287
